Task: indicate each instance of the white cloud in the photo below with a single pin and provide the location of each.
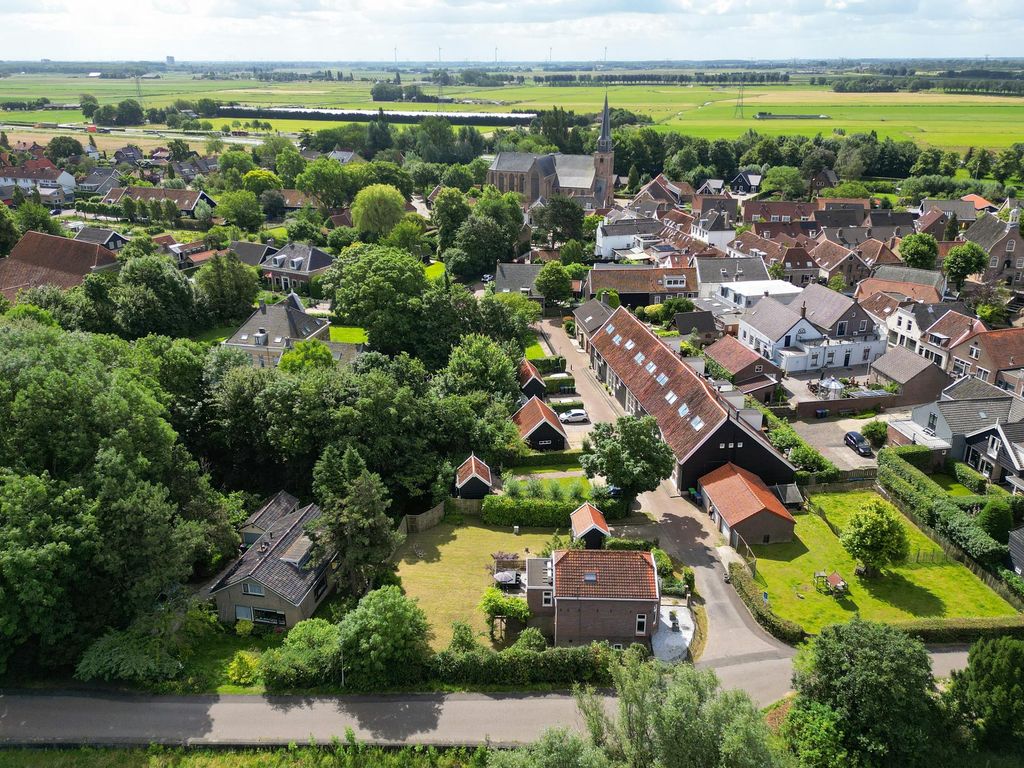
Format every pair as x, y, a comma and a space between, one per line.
330, 30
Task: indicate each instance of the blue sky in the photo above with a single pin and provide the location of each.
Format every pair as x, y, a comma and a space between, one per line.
329, 30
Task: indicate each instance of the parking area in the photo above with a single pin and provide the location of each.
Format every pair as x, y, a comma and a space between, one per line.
827, 436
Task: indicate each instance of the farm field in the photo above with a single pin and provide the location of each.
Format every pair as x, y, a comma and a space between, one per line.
448, 568
926, 586
944, 120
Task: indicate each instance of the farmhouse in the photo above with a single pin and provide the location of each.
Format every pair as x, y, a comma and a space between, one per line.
702, 427
38, 259
294, 265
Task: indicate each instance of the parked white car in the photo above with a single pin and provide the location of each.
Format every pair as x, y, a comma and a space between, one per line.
575, 416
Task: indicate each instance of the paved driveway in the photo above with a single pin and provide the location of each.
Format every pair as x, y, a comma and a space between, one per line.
827, 436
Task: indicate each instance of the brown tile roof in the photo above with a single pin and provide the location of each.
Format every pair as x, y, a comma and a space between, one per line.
732, 354
747, 241
533, 414
641, 279
956, 327
880, 305
786, 231
185, 199
874, 252
680, 219
842, 202
588, 516
29, 173
685, 407
829, 255
915, 291
343, 219
527, 371
39, 259
739, 494
1004, 346
930, 217
472, 467
980, 203
295, 198
768, 208
605, 574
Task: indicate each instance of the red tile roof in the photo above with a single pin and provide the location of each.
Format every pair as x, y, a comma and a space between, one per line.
880, 305
980, 203
1004, 347
588, 516
39, 259
875, 253
527, 371
915, 291
739, 494
685, 407
642, 280
604, 574
533, 414
956, 327
732, 355
470, 467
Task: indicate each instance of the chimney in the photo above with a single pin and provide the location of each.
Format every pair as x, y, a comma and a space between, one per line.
803, 309
766, 294
263, 306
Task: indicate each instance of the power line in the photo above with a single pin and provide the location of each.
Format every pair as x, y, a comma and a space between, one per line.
737, 111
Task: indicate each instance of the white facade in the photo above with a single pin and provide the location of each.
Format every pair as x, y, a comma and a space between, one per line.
804, 348
720, 238
65, 180
747, 293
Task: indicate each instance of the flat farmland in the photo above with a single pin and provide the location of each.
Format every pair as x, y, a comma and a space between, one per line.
949, 121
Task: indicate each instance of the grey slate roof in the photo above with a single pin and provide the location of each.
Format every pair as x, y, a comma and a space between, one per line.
926, 314
279, 559
637, 226
971, 388
902, 274
575, 171
966, 416
709, 269
514, 277
519, 162
824, 306
252, 254
853, 236
97, 235
272, 510
99, 176
882, 217
771, 318
702, 320
591, 315
964, 209
901, 365
840, 217
986, 232
283, 321
310, 258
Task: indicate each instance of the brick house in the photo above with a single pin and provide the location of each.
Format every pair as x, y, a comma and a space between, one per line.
741, 505
594, 595
991, 356
919, 379
751, 373
41, 259
1004, 245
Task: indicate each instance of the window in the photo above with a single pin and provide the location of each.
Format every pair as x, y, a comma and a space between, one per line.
697, 423
662, 379
899, 322
684, 409
262, 616
982, 374
252, 588
639, 358
617, 339
1011, 245
320, 587
994, 444
994, 261
739, 445
766, 539
1020, 265
610, 328
651, 367
866, 355
546, 600
841, 328
933, 419
630, 344
543, 442
243, 613
671, 397
641, 623
758, 368
616, 646
721, 446
959, 367
863, 325
974, 352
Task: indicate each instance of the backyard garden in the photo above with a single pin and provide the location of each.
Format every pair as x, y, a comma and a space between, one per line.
927, 585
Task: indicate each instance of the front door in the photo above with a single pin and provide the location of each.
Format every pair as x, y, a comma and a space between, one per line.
846, 359
789, 340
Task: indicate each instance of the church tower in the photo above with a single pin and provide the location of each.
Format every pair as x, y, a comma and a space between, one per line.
604, 161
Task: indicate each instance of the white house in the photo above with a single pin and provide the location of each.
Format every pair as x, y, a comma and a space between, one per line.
714, 228
43, 178
624, 234
747, 293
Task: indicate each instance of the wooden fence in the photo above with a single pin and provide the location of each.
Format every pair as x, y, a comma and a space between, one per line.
421, 522
466, 506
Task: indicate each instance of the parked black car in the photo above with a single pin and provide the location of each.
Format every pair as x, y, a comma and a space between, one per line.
858, 442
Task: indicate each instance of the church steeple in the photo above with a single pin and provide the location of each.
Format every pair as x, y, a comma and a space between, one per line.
604, 141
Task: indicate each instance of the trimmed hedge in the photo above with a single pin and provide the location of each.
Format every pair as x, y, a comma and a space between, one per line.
548, 365
555, 386
632, 545
967, 476
1014, 582
785, 630
546, 458
515, 666
811, 463
527, 512
920, 496
963, 630
568, 405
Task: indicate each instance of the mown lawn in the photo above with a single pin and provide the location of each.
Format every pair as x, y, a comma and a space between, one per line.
208, 665
448, 568
216, 334
535, 350
565, 483
915, 589
951, 486
434, 271
348, 334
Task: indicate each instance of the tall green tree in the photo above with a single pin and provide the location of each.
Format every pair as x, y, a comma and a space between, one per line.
562, 219
479, 364
990, 692
312, 353
377, 209
553, 282
228, 286
629, 453
919, 250
876, 536
483, 241
289, 164
962, 261
35, 217
242, 209
259, 180
10, 232
450, 211
952, 228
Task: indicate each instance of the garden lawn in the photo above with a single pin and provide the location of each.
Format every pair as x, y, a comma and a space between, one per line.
208, 665
348, 334
216, 334
535, 351
951, 486
909, 591
448, 568
434, 271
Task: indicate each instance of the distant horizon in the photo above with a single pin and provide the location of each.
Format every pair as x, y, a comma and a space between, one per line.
528, 31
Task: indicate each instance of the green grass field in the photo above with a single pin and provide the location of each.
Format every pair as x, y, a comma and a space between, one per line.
435, 270
911, 590
348, 334
448, 568
951, 486
535, 351
209, 664
936, 119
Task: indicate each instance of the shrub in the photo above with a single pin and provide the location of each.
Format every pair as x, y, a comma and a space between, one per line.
495, 603
966, 476
996, 519
560, 384
663, 563
807, 458
517, 666
575, 492
534, 488
309, 656
463, 639
545, 458
640, 545
244, 668
688, 578
548, 365
876, 432
527, 512
1014, 582
566, 405
963, 630
785, 630
530, 639
244, 627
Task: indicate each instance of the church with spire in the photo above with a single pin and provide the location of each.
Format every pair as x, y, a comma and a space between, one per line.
588, 178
